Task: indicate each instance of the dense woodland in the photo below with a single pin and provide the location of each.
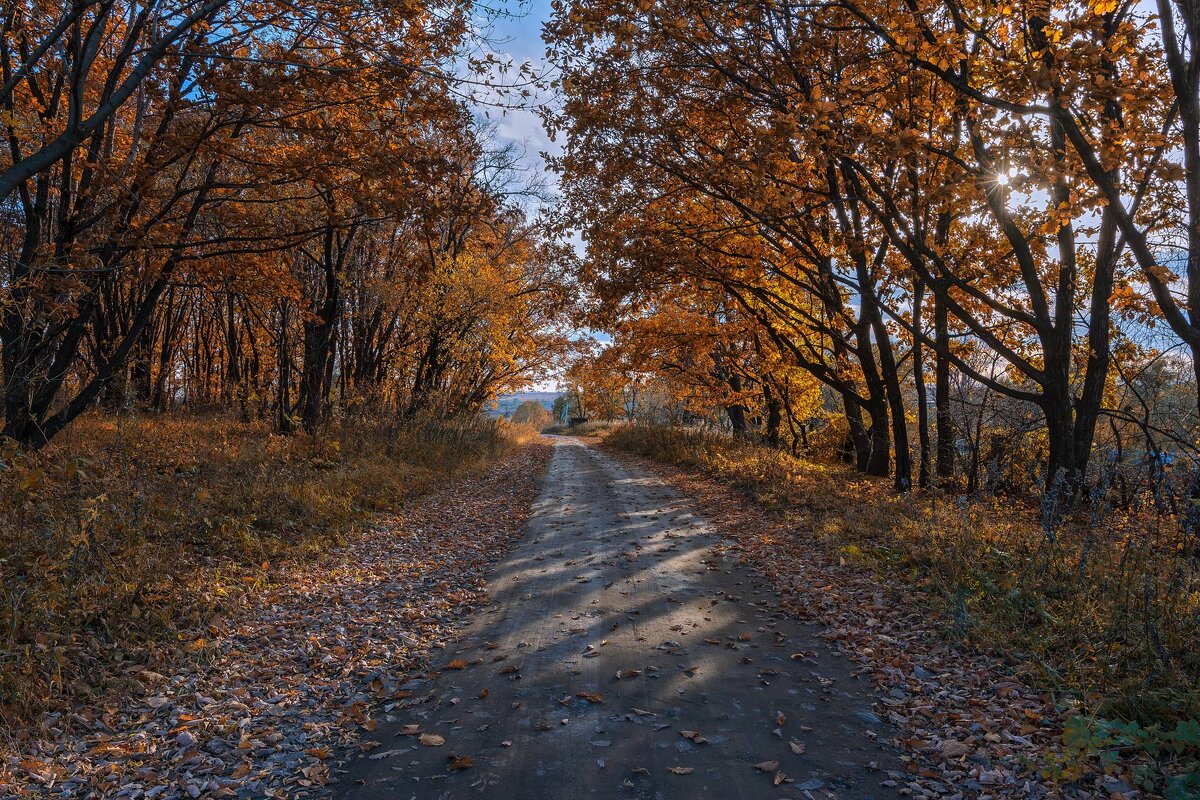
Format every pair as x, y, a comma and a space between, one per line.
968, 234
273, 208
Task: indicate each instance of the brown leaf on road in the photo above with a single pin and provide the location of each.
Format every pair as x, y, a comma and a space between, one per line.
953, 749
767, 766
681, 770
459, 762
432, 740
458, 663
797, 747
591, 697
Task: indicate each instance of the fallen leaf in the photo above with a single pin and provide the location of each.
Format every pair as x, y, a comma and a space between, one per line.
797, 747
591, 697
459, 762
767, 766
681, 770
953, 749
432, 740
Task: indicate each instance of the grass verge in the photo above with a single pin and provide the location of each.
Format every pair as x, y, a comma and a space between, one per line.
126, 531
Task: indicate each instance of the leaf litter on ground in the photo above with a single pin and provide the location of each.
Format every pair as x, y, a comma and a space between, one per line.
967, 724
280, 692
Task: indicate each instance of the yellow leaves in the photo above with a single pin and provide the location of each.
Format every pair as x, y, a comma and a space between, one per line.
1160, 273
1101, 7
31, 479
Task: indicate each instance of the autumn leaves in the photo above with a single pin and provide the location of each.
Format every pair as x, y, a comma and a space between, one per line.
282, 208
891, 201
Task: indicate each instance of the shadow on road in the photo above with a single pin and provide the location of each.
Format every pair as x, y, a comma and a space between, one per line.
622, 657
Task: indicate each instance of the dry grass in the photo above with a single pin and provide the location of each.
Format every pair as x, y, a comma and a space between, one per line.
126, 531
1102, 611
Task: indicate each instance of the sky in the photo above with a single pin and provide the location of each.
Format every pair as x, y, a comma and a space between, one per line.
516, 35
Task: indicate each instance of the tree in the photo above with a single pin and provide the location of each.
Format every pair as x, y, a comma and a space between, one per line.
209, 185
873, 187
533, 414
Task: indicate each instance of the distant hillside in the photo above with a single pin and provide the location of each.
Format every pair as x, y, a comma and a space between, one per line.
506, 404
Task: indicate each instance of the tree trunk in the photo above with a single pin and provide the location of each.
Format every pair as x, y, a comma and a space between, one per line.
941, 392
283, 391
774, 414
879, 463
918, 357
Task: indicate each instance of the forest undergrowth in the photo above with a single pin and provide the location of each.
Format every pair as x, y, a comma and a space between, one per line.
128, 530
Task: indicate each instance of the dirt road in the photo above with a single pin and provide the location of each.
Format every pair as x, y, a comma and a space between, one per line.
621, 658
